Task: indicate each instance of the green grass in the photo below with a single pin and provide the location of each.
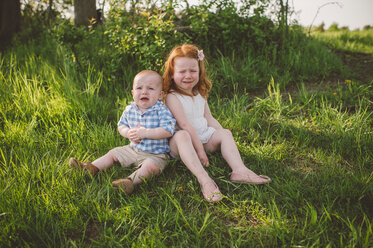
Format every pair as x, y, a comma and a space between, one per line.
314, 143
353, 41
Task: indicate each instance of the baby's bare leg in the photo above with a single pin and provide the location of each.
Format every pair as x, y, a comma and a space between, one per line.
147, 170
223, 139
105, 161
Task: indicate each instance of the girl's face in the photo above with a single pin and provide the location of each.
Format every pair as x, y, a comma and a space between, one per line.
186, 73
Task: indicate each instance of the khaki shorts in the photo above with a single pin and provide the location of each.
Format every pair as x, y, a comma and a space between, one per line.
128, 156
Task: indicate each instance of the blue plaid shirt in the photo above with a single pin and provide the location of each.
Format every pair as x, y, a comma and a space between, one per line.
157, 115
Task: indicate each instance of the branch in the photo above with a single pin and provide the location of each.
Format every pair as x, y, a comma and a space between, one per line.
318, 10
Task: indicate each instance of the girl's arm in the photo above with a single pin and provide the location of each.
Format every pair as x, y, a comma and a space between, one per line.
211, 121
178, 112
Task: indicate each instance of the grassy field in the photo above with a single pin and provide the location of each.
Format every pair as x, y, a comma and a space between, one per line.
313, 137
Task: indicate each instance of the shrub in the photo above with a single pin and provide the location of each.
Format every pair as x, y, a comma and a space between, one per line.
334, 27
221, 25
143, 34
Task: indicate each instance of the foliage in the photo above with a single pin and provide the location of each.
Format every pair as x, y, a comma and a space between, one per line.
146, 34
320, 28
304, 59
225, 27
334, 27
36, 18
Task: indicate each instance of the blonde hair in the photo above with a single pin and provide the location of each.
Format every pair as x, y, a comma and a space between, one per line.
148, 72
190, 51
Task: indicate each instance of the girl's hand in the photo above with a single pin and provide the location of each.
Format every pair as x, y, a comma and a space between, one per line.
203, 158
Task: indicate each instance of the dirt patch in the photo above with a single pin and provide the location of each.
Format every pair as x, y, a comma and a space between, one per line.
92, 232
360, 65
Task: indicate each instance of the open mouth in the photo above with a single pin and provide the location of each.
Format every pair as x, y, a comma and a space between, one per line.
144, 98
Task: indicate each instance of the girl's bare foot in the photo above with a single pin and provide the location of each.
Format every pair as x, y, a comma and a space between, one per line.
211, 192
249, 177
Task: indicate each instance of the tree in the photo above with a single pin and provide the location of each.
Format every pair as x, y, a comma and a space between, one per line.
10, 20
334, 27
321, 27
85, 11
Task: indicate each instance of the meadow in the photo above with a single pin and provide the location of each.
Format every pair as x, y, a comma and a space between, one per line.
307, 124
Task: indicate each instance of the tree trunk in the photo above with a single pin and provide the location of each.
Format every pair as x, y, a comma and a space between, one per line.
10, 20
84, 11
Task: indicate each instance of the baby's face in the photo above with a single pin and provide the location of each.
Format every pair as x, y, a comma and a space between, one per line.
147, 90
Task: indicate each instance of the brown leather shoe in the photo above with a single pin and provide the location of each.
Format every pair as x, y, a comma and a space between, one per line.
126, 184
87, 166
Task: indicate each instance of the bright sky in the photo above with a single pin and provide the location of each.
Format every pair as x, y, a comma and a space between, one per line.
351, 13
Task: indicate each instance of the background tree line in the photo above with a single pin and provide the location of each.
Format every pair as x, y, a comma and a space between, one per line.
17, 14
138, 33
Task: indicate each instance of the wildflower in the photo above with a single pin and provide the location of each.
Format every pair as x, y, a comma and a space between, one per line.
318, 130
180, 188
348, 81
335, 93
250, 110
201, 56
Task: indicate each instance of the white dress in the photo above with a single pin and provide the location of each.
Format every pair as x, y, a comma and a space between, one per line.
194, 109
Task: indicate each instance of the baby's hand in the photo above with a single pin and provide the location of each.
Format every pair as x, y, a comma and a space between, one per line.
141, 132
203, 158
132, 135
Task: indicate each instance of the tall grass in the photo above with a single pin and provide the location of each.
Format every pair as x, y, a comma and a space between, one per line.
355, 41
315, 145
302, 60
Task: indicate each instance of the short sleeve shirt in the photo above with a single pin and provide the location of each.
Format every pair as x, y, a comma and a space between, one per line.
156, 116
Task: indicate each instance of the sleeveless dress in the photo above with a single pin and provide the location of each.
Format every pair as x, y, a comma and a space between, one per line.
194, 109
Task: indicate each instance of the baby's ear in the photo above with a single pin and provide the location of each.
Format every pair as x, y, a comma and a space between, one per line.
161, 95
132, 92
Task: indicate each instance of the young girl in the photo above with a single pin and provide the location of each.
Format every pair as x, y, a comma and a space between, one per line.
187, 86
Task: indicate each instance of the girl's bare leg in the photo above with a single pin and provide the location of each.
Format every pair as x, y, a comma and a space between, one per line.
181, 145
223, 139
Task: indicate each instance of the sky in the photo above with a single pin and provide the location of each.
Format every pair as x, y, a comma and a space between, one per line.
351, 13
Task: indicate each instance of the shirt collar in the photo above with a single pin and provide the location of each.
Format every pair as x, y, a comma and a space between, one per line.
156, 106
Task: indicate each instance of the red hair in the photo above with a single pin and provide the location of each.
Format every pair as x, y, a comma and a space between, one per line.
191, 51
